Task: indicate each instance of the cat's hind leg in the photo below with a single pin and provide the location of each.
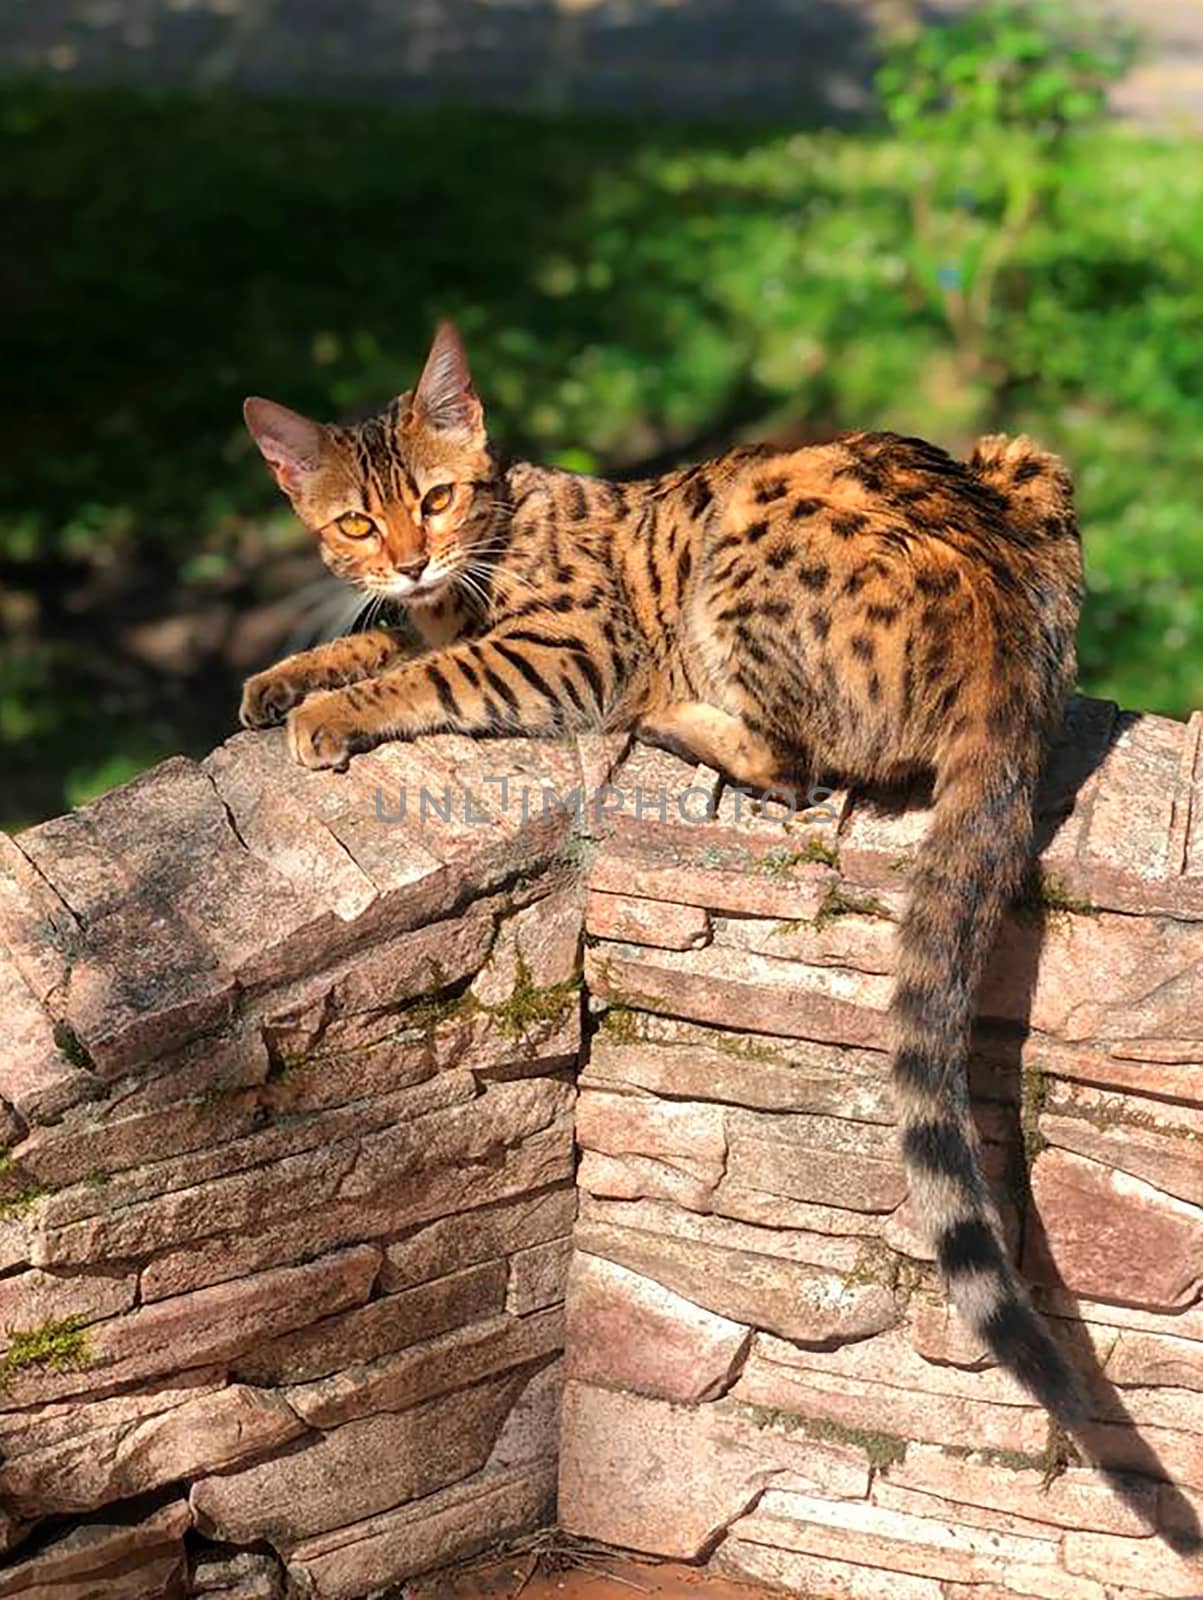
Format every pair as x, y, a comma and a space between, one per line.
701, 732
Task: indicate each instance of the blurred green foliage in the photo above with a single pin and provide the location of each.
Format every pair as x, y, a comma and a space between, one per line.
993, 260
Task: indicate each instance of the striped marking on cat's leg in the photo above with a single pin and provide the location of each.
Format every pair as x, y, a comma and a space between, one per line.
516, 680
702, 732
269, 696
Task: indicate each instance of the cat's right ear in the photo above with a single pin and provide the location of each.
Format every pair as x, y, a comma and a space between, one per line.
291, 444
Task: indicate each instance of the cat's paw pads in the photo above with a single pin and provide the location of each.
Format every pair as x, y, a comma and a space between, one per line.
267, 698
322, 732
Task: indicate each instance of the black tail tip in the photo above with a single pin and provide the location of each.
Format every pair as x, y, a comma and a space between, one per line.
1021, 1343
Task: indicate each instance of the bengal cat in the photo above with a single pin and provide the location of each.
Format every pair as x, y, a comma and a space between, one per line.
869, 606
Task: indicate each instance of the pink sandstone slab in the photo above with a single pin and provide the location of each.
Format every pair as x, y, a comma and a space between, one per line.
1127, 851
206, 1433
435, 1367
888, 1409
144, 983
29, 1299
357, 1470
840, 1255
204, 1327
795, 1299
941, 1336
627, 1332
389, 1323
1144, 1564
889, 1360
650, 1476
1159, 1142
36, 1078
115, 1555
862, 943
911, 1502
1112, 1236
658, 802
747, 990
352, 1168
45, 1427
281, 832
518, 1478
40, 931
481, 1512
266, 1139
826, 1160
689, 1062
247, 1575
410, 884
78, 1147
1077, 1498
685, 1134
895, 1541
641, 1177
538, 946
1102, 976
213, 1065
529, 1162
413, 964
801, 1574
646, 1475
773, 1211
657, 922
682, 878
537, 1276
484, 1232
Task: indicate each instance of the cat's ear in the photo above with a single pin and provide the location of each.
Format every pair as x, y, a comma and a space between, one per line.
291, 444
444, 398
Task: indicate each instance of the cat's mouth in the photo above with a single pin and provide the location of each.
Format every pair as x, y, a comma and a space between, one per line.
421, 591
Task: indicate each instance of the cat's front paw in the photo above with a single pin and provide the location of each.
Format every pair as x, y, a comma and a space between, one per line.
324, 732
268, 697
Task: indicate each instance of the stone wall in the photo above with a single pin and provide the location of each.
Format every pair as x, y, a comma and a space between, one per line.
290, 1081
762, 1368
261, 1053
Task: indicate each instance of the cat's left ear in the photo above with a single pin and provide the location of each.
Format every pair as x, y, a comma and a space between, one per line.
291, 445
445, 399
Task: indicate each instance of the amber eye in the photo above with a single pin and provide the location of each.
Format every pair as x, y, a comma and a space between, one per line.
355, 525
437, 499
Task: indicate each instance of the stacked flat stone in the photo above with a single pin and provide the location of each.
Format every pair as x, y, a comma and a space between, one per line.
763, 1371
290, 1085
285, 1211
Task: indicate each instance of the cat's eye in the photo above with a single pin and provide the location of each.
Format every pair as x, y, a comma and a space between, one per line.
355, 525
437, 499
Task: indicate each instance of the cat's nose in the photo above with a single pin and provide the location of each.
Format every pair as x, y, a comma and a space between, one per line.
412, 569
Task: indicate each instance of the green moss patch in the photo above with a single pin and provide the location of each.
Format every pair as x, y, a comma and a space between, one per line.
780, 863
882, 1450
840, 901
56, 1347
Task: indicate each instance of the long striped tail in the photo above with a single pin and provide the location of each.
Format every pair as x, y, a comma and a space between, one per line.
972, 861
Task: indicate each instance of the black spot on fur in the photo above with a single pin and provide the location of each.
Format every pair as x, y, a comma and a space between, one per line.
699, 495
847, 524
768, 491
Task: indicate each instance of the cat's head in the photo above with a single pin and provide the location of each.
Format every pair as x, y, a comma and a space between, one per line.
401, 503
